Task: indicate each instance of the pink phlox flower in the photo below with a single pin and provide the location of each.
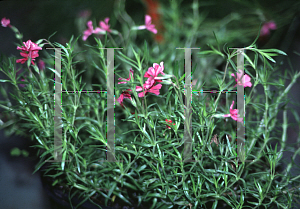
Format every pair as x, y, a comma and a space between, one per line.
90, 30
29, 50
104, 25
155, 70
41, 64
5, 22
265, 30
149, 87
170, 122
148, 25
245, 81
234, 114
125, 94
126, 79
151, 74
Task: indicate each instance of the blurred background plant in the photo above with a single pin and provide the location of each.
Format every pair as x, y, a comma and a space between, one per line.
208, 26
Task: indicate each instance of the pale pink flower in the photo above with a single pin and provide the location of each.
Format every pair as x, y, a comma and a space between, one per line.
104, 25
5, 22
265, 30
29, 50
90, 30
124, 95
245, 81
148, 25
234, 114
126, 79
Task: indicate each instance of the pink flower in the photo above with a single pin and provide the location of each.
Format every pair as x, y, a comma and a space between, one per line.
104, 25
265, 30
124, 95
152, 74
41, 64
90, 30
234, 114
148, 25
29, 50
126, 79
149, 87
5, 22
170, 122
242, 81
155, 70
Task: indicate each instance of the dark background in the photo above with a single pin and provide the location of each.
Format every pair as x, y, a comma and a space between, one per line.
39, 19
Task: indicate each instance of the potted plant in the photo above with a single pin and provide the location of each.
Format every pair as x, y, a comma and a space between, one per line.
153, 117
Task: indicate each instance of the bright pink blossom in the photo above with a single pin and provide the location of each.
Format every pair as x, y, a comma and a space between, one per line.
170, 122
29, 50
265, 30
104, 25
149, 88
148, 25
126, 79
152, 74
90, 30
124, 95
245, 81
155, 70
234, 114
5, 22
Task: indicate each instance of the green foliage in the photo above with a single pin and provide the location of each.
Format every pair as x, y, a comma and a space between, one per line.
151, 167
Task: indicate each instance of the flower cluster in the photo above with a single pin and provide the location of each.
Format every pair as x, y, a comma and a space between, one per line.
29, 50
148, 86
105, 27
241, 81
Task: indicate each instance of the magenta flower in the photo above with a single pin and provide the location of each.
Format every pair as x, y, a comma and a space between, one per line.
265, 30
90, 30
29, 50
5, 22
104, 25
245, 81
152, 74
155, 70
41, 64
149, 87
124, 95
234, 114
126, 79
148, 25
